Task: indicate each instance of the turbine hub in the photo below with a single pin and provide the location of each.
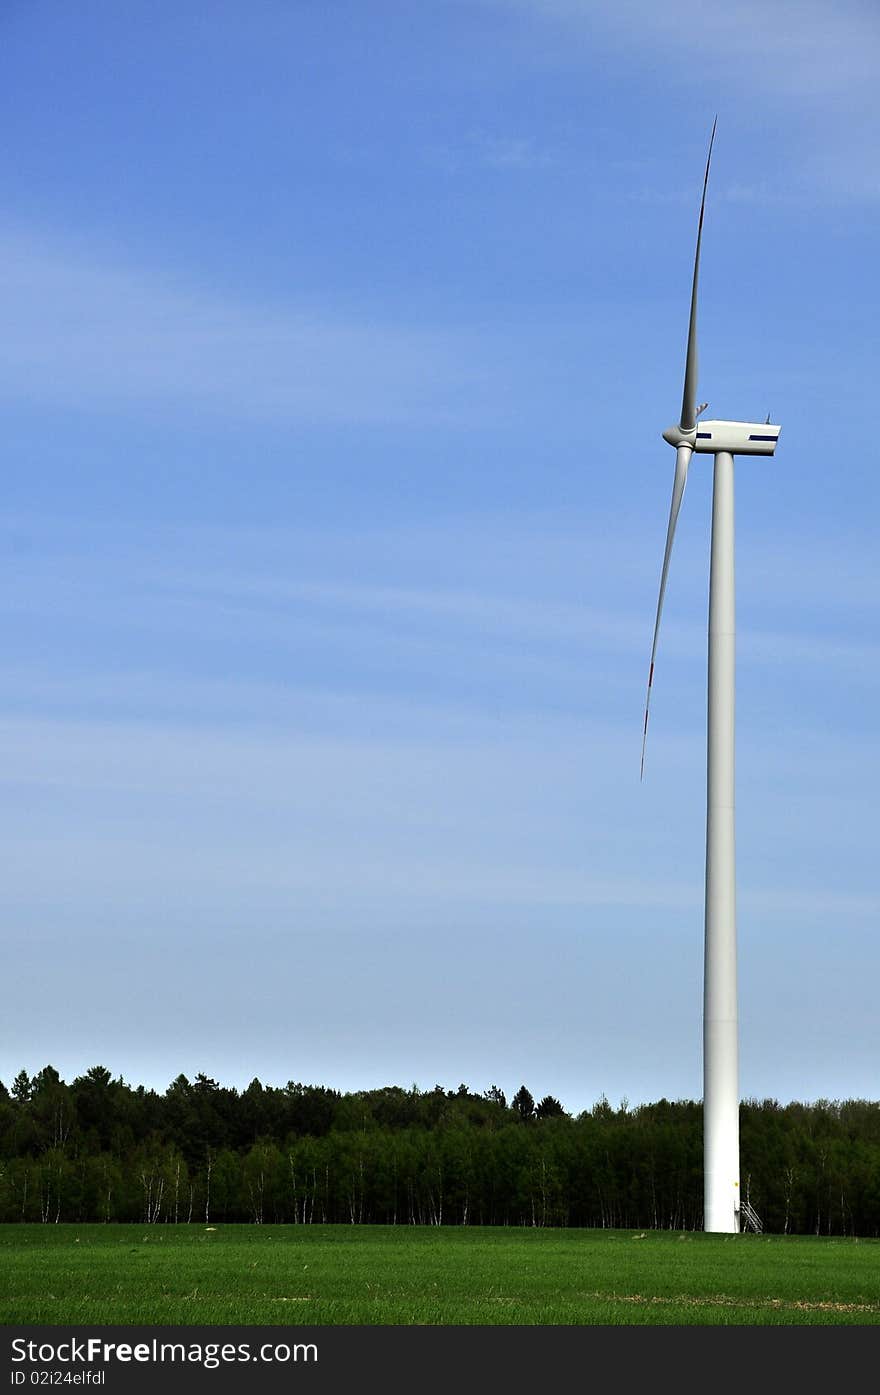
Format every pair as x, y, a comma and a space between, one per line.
676, 437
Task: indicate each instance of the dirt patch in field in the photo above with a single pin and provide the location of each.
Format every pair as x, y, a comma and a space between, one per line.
724, 1300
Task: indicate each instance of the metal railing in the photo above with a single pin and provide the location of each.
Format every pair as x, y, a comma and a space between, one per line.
749, 1217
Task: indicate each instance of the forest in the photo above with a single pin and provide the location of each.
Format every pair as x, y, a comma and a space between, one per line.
100, 1149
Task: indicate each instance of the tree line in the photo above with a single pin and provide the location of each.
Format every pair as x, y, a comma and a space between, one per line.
99, 1149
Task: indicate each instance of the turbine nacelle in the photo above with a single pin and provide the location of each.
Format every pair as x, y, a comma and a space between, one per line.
737, 437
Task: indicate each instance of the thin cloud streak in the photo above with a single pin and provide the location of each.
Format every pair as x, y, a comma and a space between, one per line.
81, 333
813, 63
803, 47
545, 621
503, 624
206, 810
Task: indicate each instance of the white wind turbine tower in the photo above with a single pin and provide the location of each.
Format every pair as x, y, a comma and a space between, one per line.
723, 440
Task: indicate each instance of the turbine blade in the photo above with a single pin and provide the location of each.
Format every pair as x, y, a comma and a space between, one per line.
689, 397
682, 461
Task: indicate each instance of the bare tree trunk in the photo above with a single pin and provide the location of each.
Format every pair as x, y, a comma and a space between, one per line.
293, 1187
789, 1187
209, 1169
257, 1201
154, 1188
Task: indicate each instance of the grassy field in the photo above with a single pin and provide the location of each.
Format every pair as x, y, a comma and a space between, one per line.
303, 1275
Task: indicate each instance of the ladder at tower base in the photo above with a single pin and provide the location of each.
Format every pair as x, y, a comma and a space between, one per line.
750, 1218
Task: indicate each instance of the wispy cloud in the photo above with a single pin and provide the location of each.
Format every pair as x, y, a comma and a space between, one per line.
122, 809
762, 194
498, 615
493, 150
803, 46
509, 152
498, 603
812, 62
81, 331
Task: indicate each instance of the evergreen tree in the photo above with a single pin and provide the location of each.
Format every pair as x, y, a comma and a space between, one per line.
21, 1087
524, 1104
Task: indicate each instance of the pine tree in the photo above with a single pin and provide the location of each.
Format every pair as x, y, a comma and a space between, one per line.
524, 1104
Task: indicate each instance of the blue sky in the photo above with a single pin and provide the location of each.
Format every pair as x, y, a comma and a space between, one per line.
338, 344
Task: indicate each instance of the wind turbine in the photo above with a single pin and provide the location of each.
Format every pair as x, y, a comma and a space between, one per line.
723, 440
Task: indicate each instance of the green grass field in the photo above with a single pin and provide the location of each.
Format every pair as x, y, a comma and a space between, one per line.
304, 1275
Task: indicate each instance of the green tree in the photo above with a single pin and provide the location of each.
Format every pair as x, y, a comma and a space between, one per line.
21, 1087
524, 1104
